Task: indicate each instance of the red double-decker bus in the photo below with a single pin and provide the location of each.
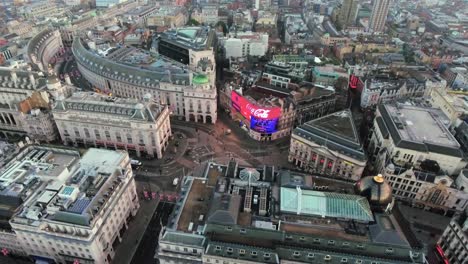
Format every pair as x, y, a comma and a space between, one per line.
440, 255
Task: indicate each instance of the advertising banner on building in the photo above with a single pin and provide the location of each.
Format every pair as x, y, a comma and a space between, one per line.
262, 119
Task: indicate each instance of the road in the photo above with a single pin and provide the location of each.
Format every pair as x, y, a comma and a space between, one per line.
149, 242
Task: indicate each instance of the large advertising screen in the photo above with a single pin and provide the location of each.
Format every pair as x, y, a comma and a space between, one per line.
266, 126
262, 119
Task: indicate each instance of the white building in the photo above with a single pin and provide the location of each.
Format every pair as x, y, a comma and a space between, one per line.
243, 44
408, 135
92, 119
454, 240
71, 208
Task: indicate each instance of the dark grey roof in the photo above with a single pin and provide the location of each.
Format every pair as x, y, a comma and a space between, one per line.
242, 252
385, 231
203, 39
336, 131
279, 240
418, 146
224, 209
183, 238
126, 73
72, 218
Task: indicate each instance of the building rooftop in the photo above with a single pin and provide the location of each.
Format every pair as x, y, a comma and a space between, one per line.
128, 108
58, 186
323, 204
196, 38
336, 131
418, 128
142, 75
298, 224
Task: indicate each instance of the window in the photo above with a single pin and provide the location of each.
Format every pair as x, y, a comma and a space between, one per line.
86, 131
108, 137
96, 133
118, 136
129, 139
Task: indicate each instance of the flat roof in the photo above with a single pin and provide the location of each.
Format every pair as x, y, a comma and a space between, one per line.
197, 203
54, 183
421, 125
418, 128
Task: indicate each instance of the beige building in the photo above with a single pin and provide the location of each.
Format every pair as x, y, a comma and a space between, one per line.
330, 146
379, 15
71, 209
428, 190
168, 16
40, 10
91, 119
22, 29
453, 106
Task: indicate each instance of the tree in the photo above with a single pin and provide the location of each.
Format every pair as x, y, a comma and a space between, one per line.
193, 22
408, 53
223, 26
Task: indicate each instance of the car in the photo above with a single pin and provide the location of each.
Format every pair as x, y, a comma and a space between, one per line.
180, 136
135, 162
168, 159
176, 143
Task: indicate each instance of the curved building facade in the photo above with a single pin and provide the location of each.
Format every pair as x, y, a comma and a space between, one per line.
189, 94
44, 46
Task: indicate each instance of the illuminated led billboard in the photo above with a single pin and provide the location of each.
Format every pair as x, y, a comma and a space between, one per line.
262, 119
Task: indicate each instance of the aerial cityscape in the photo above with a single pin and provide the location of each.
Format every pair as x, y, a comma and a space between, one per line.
233, 131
